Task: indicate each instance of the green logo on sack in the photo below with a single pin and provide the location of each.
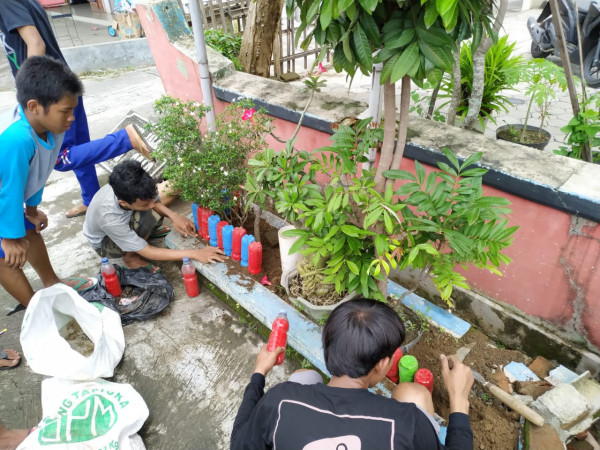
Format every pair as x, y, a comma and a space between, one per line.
93, 417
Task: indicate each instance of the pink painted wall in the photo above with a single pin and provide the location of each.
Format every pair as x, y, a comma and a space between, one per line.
553, 273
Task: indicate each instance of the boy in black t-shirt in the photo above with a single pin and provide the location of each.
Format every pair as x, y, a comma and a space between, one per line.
359, 339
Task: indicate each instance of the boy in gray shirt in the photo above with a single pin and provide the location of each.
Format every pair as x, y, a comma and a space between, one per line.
122, 215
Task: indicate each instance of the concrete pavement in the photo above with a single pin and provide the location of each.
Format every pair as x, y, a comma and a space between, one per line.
192, 362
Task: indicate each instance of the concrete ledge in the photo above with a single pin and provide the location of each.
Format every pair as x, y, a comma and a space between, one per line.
109, 55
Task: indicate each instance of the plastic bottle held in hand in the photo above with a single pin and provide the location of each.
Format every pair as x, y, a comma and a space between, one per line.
278, 336
111, 280
190, 280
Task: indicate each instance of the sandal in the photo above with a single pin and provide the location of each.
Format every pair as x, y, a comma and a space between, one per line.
3, 355
81, 282
151, 268
159, 232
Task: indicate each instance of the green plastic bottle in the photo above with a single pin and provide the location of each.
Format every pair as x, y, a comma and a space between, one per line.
407, 367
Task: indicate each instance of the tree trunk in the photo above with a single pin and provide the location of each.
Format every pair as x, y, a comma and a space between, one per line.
263, 21
389, 134
402, 127
479, 69
456, 89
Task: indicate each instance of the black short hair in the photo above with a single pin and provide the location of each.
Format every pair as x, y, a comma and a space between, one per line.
46, 80
130, 182
358, 334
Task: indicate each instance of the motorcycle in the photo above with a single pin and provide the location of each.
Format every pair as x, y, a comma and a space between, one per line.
544, 42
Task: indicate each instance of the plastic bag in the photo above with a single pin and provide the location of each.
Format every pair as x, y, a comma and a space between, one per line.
153, 292
93, 414
48, 353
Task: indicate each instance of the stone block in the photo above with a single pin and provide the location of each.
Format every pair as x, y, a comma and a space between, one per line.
271, 238
561, 375
590, 390
544, 438
541, 366
290, 76
563, 403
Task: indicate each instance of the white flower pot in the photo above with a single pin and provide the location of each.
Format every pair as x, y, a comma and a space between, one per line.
316, 312
288, 262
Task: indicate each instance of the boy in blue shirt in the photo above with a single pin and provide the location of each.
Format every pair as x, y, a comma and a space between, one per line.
30, 140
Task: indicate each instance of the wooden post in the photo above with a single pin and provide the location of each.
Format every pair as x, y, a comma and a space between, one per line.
586, 154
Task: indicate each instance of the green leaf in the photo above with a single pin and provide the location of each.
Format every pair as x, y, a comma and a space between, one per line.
420, 172
346, 46
368, 5
405, 38
344, 4
431, 13
362, 47
406, 61
370, 28
353, 267
386, 72
298, 245
440, 57
350, 230
326, 13
451, 157
399, 175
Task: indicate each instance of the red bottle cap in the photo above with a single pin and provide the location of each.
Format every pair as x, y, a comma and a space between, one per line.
425, 377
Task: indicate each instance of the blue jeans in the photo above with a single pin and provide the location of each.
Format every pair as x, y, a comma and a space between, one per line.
80, 155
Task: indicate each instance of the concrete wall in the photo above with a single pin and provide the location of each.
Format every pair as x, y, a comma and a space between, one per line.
552, 281
109, 55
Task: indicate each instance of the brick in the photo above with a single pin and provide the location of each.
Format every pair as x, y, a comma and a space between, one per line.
541, 366
500, 380
533, 388
544, 438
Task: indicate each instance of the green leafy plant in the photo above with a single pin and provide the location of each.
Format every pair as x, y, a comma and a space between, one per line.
583, 129
208, 167
226, 44
449, 223
421, 102
502, 72
543, 79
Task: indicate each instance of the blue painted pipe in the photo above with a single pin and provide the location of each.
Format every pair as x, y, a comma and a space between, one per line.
227, 232
246, 240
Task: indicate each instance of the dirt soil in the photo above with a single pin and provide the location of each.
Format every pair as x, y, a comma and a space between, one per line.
530, 137
494, 427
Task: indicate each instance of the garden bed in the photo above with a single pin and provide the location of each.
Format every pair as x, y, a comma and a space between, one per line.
494, 427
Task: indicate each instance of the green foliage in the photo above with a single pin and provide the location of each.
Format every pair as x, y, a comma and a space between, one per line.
449, 222
502, 71
226, 44
583, 129
208, 167
420, 104
414, 37
543, 79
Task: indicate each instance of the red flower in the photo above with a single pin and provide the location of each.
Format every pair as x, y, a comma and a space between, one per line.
321, 69
248, 114
265, 281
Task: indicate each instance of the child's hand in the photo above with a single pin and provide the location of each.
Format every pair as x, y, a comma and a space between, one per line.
265, 360
15, 252
208, 255
184, 225
37, 218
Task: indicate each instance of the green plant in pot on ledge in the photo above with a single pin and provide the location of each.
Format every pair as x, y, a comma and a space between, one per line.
208, 168
543, 79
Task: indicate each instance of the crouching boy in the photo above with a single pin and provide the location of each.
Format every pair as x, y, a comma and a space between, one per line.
359, 339
123, 214
31, 136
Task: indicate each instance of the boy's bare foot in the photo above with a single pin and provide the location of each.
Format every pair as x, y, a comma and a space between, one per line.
11, 360
137, 142
11, 439
135, 262
79, 284
76, 211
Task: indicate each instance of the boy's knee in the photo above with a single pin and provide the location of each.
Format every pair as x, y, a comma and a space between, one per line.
414, 393
306, 376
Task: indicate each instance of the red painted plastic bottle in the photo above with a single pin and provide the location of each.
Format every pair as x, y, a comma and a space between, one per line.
236, 252
393, 373
190, 280
111, 280
425, 377
278, 336
255, 257
205, 231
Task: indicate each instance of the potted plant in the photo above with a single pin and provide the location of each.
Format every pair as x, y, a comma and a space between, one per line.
502, 72
207, 167
543, 78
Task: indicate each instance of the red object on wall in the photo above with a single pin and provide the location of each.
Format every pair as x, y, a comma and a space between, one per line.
220, 225
424, 377
254, 257
393, 373
236, 249
206, 213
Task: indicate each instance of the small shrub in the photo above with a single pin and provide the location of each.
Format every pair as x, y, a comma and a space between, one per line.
226, 44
